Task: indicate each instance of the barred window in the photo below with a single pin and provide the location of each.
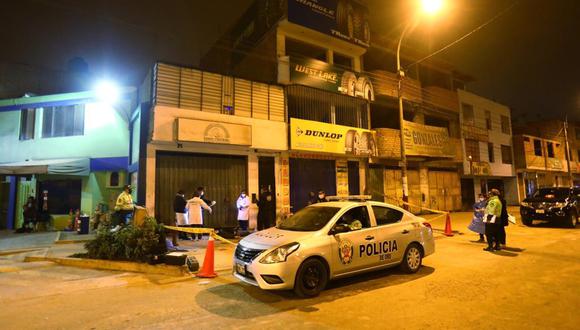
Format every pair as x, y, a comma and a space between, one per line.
472, 149
505, 124
506, 154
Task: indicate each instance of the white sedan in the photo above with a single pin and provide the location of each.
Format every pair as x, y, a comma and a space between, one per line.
331, 240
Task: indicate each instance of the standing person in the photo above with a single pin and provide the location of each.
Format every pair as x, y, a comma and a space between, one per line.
311, 198
201, 191
321, 197
124, 207
179, 207
195, 207
266, 209
477, 224
492, 220
501, 234
29, 214
243, 206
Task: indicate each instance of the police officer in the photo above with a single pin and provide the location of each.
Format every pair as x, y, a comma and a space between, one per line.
266, 209
492, 220
124, 207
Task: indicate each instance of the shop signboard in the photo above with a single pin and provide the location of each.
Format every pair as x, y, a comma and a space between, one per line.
193, 130
315, 136
343, 19
424, 140
321, 75
480, 168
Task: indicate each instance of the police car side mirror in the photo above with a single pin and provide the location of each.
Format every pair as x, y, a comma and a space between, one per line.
340, 228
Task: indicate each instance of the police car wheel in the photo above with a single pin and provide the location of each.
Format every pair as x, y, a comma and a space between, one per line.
527, 221
311, 278
412, 259
572, 220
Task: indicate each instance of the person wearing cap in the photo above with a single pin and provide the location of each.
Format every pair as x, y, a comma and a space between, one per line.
492, 220
124, 205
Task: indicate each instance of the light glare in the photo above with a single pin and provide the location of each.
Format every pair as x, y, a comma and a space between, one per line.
431, 7
107, 92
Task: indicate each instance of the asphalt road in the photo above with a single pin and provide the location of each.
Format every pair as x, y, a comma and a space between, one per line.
533, 284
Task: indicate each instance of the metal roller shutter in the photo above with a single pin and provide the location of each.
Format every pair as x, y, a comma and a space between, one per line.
222, 176
211, 92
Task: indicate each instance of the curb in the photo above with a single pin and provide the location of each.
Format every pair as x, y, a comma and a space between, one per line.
57, 240
17, 251
125, 266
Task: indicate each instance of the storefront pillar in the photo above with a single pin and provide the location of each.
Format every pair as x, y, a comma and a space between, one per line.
424, 186
362, 172
11, 203
253, 188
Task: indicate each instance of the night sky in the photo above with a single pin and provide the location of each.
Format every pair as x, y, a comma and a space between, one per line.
527, 59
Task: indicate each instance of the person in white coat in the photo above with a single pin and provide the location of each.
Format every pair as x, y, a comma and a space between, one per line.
243, 206
195, 208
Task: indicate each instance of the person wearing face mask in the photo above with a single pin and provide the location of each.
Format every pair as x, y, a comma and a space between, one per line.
124, 207
195, 207
243, 206
477, 224
321, 197
266, 209
492, 220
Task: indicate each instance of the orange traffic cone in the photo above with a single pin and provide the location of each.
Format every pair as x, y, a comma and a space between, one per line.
448, 231
207, 268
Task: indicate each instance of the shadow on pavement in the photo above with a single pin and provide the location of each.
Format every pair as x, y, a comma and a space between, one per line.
242, 301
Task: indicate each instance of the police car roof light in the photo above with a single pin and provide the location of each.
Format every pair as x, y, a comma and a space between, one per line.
361, 198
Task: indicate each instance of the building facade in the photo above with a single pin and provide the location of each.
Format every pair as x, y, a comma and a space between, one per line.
68, 150
487, 145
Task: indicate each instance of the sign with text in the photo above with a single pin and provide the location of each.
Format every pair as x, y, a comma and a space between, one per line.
193, 130
480, 168
318, 74
322, 137
343, 19
423, 140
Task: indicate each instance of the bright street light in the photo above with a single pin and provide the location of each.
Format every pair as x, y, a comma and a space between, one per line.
431, 7
107, 92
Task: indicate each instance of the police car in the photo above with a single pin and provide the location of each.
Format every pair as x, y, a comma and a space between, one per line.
331, 240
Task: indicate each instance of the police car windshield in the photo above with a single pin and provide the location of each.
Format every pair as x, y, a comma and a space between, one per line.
309, 219
551, 193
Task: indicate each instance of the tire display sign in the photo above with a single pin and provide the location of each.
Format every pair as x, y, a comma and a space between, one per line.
315, 136
423, 140
321, 75
343, 19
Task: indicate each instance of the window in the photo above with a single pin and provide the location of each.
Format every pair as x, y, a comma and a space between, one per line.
356, 218
490, 154
537, 147
114, 179
468, 114
385, 215
505, 124
304, 50
506, 155
488, 120
27, 120
66, 120
438, 122
550, 148
472, 149
342, 61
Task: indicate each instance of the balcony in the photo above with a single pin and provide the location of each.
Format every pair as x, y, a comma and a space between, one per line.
389, 146
385, 83
441, 98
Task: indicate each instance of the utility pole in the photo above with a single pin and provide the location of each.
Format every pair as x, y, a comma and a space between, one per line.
570, 180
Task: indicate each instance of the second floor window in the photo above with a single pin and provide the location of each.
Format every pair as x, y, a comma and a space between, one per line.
490, 154
472, 150
66, 120
505, 124
27, 120
506, 154
550, 147
468, 115
488, 120
537, 147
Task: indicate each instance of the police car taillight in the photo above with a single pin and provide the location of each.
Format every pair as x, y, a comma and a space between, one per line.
426, 224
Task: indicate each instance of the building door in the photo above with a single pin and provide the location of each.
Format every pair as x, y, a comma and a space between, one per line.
308, 175
266, 174
444, 190
222, 176
353, 179
376, 183
467, 194
394, 188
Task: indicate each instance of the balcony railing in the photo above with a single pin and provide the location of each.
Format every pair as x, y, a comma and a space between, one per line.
386, 83
441, 98
389, 145
187, 88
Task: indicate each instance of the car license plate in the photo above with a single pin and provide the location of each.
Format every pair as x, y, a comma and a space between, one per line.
240, 269
540, 211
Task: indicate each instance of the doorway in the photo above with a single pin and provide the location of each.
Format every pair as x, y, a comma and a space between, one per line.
467, 194
266, 174
308, 175
353, 179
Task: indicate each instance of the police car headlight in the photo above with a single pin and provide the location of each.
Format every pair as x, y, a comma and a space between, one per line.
280, 254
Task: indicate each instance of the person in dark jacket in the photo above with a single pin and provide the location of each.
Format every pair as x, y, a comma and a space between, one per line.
179, 204
501, 234
29, 213
266, 209
321, 197
311, 198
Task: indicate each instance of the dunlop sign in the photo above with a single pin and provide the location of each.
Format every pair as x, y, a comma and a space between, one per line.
322, 137
423, 140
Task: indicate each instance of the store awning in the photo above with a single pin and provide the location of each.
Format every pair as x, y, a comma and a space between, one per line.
67, 166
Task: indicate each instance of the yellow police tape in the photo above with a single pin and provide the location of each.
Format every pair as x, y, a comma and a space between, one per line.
417, 206
209, 231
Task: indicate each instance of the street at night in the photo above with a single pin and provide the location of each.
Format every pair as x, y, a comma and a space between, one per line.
531, 284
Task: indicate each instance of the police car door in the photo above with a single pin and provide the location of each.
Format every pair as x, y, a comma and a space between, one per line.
392, 234
346, 246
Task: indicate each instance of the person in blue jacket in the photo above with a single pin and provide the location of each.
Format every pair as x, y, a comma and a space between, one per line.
477, 224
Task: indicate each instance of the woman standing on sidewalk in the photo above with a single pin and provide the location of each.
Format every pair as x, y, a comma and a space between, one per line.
477, 224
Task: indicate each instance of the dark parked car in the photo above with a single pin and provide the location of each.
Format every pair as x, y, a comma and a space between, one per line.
552, 204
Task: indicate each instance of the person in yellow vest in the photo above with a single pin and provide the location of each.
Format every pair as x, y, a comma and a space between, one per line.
492, 220
124, 207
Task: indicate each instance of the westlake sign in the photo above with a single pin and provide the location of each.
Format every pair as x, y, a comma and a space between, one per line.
423, 140
321, 75
309, 135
